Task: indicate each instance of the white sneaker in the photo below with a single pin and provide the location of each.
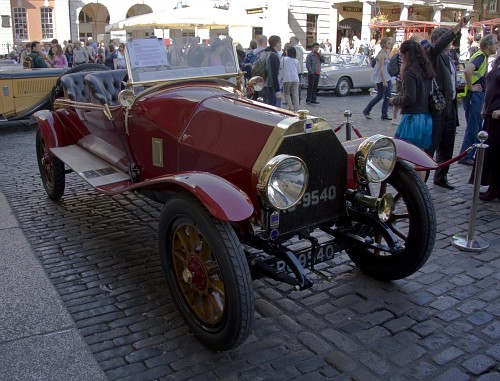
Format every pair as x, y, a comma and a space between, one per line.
395, 122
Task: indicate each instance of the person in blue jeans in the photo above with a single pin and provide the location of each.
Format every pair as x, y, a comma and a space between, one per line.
475, 77
382, 79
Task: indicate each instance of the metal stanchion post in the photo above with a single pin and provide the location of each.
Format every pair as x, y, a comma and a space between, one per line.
471, 243
347, 114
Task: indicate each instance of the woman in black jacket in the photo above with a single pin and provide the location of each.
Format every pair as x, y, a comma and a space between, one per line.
416, 77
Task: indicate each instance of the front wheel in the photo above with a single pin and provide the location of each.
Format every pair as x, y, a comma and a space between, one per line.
413, 221
51, 169
207, 273
343, 87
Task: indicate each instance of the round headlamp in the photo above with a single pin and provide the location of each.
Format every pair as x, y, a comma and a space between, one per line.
375, 158
283, 181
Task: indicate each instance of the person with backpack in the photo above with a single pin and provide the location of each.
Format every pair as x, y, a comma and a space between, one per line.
35, 58
382, 79
271, 91
473, 96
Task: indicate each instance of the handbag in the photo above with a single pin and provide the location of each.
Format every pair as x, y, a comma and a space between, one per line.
436, 98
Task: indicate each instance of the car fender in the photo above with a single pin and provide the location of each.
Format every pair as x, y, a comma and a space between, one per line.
404, 150
52, 130
222, 199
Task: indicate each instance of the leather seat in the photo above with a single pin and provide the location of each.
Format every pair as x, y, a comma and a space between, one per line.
74, 87
104, 86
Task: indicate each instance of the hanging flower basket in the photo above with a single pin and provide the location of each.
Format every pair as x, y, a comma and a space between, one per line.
378, 20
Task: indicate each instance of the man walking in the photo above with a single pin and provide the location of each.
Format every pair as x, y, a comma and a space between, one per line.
80, 54
299, 50
271, 90
313, 65
475, 78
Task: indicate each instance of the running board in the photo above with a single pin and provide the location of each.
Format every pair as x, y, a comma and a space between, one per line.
91, 168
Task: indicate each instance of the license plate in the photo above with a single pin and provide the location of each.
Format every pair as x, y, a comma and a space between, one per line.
325, 253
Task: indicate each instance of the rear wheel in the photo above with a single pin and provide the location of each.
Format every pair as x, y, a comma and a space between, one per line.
343, 87
51, 169
413, 221
207, 273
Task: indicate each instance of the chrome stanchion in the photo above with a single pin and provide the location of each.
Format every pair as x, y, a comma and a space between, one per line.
347, 114
471, 243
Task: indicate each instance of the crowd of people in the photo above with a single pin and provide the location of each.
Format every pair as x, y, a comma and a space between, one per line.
69, 54
423, 66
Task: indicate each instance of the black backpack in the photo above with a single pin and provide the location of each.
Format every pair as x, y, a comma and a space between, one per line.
393, 67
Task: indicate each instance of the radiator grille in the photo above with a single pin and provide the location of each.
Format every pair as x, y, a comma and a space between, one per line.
326, 161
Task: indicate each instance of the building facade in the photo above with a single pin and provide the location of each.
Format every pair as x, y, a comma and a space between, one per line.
309, 20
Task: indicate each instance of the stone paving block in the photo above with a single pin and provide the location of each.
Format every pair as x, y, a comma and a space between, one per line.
447, 355
479, 364
266, 308
374, 362
373, 334
492, 330
453, 374
398, 325
494, 351
493, 376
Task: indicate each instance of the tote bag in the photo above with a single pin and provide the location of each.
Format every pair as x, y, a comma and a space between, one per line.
416, 129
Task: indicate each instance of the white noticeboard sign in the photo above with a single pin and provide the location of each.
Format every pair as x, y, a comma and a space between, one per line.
146, 53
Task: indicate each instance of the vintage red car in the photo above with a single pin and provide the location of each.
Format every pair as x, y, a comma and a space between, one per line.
237, 181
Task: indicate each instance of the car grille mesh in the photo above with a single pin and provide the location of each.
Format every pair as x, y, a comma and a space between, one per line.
326, 161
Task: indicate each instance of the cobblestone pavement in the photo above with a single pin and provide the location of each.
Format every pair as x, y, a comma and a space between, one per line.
442, 323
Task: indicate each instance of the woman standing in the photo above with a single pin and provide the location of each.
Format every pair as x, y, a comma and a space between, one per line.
69, 55
289, 72
119, 61
382, 79
416, 77
491, 124
59, 58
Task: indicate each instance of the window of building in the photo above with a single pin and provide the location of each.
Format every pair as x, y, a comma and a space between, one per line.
493, 5
20, 23
5, 21
47, 22
84, 18
311, 30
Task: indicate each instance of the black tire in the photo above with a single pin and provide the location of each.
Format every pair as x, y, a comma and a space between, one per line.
57, 91
207, 274
343, 86
51, 169
413, 221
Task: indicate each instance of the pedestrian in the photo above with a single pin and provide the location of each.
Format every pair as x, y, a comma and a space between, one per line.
289, 72
119, 61
416, 77
261, 44
68, 52
313, 65
35, 56
299, 53
271, 91
444, 123
491, 114
80, 54
473, 96
382, 79
109, 61
58, 58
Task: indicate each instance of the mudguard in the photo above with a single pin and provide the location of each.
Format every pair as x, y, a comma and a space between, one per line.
221, 198
52, 130
405, 151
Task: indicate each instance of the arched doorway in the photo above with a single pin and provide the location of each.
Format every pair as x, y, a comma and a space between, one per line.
136, 10
92, 19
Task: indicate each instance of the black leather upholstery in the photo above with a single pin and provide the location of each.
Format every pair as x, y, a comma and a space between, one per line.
74, 87
104, 86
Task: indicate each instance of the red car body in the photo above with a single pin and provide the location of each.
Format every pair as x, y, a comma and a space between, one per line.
238, 179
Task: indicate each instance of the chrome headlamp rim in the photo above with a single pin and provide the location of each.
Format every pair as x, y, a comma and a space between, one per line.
363, 155
267, 172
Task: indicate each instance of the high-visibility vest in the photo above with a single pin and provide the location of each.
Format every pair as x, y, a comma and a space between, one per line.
478, 73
